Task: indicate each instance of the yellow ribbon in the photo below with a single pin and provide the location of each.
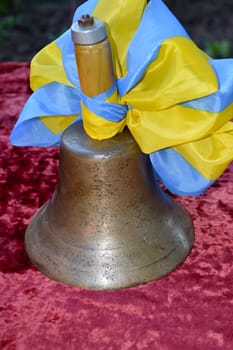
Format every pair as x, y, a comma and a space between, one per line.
157, 120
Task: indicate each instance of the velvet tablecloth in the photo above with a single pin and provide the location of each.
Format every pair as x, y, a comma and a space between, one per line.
192, 308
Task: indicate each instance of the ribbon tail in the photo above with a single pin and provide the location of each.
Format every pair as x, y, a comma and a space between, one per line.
179, 176
47, 113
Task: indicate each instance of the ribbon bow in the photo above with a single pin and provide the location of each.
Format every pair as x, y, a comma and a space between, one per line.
176, 101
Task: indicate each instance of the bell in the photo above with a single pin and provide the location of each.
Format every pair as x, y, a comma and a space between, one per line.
108, 224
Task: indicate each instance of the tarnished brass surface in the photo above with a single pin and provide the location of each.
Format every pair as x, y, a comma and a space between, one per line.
108, 225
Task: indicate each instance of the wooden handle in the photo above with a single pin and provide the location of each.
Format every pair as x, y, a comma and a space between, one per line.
95, 68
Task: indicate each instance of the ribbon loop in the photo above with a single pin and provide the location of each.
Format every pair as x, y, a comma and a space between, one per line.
176, 101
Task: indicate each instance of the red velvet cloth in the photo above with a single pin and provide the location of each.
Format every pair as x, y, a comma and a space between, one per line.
192, 308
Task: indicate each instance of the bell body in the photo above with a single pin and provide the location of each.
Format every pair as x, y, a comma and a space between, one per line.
108, 225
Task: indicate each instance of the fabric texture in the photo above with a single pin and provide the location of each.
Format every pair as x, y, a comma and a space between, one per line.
190, 309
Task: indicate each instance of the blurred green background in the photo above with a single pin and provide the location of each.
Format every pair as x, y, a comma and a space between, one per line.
28, 25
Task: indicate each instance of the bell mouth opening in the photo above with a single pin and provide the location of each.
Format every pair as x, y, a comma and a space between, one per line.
100, 269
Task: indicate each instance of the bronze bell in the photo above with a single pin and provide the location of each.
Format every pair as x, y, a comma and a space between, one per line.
108, 225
